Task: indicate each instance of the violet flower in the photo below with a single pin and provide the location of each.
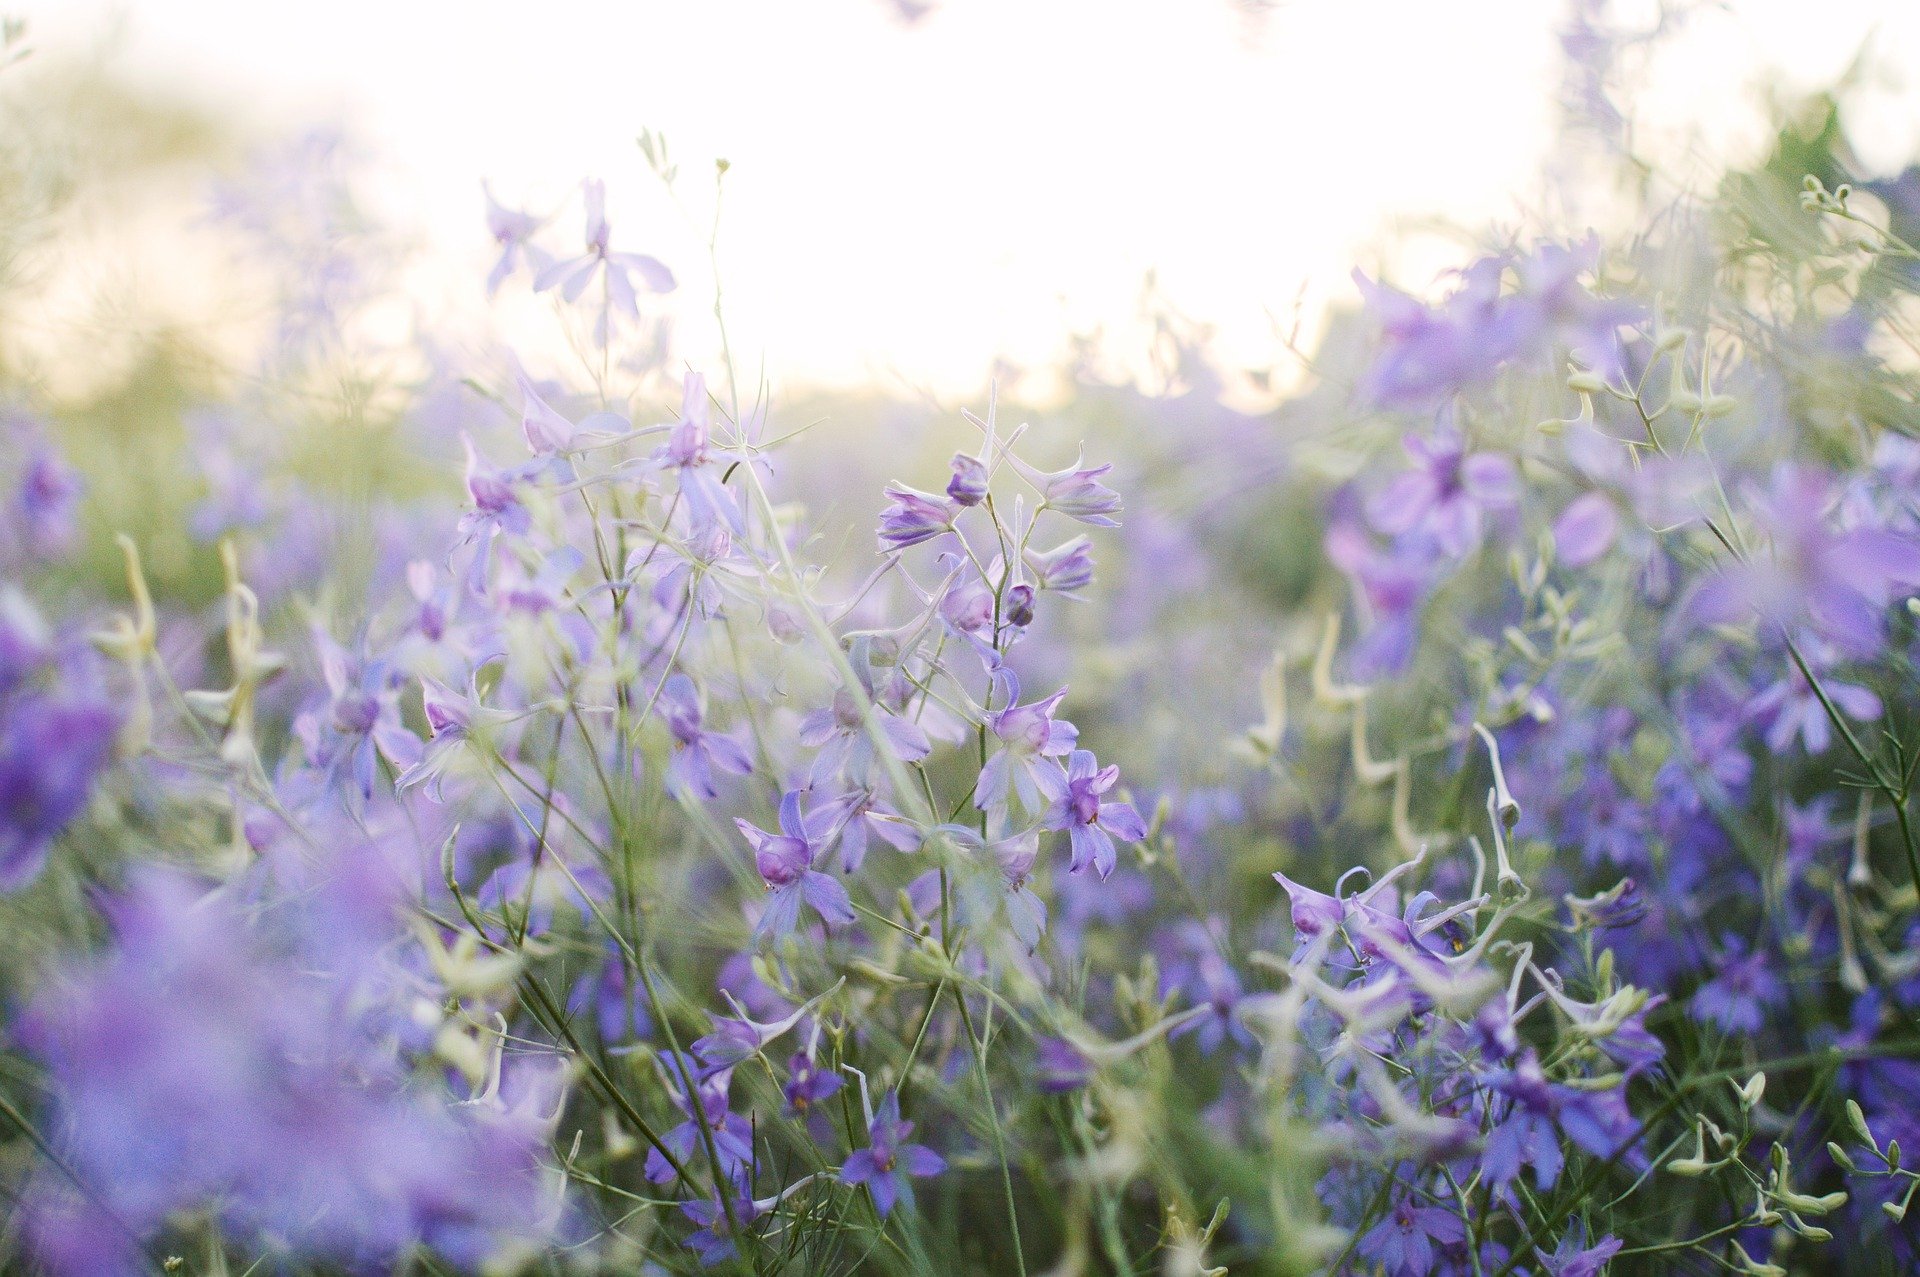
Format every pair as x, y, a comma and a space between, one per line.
696, 751
1077, 805
619, 272
888, 1163
786, 861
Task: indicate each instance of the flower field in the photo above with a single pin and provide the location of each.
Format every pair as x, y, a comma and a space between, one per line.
568, 810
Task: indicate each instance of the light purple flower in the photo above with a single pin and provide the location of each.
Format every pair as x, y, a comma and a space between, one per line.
1030, 740
1836, 581
888, 1163
513, 231
1450, 494
696, 751
785, 861
913, 516
1078, 805
618, 271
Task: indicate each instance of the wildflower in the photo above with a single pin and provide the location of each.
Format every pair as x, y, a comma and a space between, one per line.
359, 718
968, 486
808, 1084
207, 1061
52, 748
786, 861
846, 744
914, 516
689, 454
1075, 492
732, 1133
888, 1163
1449, 494
1406, 1241
1031, 739
617, 271
1077, 805
1837, 582
696, 751
1530, 1114
1065, 569
45, 503
1584, 530
1743, 989
513, 231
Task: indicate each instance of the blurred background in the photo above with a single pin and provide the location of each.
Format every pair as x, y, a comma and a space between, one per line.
924, 189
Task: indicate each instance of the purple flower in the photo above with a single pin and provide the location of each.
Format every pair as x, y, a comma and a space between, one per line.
45, 504
513, 231
786, 861
808, 1084
914, 516
1740, 993
1838, 582
1077, 805
689, 455
217, 1058
1030, 740
846, 745
1790, 707
1449, 493
888, 1162
732, 1133
1530, 1113
1574, 1258
52, 748
1585, 530
1065, 569
1059, 1067
617, 271
713, 1242
357, 720
968, 486
1406, 1240
1075, 492
696, 751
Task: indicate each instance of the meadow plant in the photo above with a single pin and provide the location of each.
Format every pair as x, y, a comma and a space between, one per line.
605, 873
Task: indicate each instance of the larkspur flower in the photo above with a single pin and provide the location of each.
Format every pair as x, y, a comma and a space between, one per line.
52, 750
621, 274
1075, 492
1409, 1238
1836, 581
1449, 494
888, 1164
913, 517
513, 231
785, 861
1031, 739
697, 752
1077, 803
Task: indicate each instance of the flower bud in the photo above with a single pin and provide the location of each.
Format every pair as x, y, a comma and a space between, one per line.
1020, 605
968, 486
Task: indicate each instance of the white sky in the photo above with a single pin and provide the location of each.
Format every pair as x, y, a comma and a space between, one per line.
912, 202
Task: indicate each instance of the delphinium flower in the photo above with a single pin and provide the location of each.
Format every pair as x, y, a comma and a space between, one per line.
195, 1067
845, 744
621, 274
1031, 741
45, 504
888, 1164
1408, 1239
358, 721
1835, 581
786, 863
1077, 804
57, 733
1450, 494
913, 517
1743, 989
1075, 492
689, 455
697, 752
513, 231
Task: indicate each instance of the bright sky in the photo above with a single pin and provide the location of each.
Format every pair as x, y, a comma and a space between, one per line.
913, 201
